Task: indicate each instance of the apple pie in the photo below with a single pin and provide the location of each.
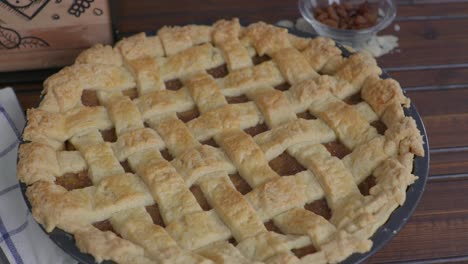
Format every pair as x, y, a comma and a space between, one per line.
219, 144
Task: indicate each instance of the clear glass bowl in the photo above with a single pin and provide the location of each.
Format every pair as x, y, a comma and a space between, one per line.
355, 38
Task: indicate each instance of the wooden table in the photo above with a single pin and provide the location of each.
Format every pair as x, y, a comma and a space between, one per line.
432, 66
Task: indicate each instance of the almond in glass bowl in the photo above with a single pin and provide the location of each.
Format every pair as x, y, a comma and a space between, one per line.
351, 22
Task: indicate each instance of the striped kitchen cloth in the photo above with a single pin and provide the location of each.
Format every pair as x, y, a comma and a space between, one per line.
22, 240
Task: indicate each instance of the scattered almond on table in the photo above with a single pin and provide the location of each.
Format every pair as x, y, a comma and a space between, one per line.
347, 16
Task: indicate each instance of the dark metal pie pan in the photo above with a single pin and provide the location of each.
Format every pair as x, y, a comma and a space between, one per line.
394, 224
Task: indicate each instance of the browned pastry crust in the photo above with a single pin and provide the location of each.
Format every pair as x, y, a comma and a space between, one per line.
271, 221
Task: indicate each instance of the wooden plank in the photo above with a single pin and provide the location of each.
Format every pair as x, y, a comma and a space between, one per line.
29, 99
424, 8
438, 228
440, 102
437, 1
431, 77
39, 59
25, 87
151, 15
428, 42
8, 78
427, 237
449, 163
147, 15
440, 198
447, 130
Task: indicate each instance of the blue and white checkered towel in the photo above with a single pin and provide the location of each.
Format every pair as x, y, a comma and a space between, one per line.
22, 241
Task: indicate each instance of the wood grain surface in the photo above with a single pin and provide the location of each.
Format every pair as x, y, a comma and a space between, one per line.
431, 65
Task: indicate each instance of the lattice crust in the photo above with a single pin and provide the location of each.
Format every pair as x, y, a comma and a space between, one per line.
148, 122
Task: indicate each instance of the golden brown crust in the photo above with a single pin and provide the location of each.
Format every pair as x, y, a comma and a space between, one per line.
131, 172
274, 106
176, 39
277, 140
407, 137
44, 127
135, 141
193, 60
232, 208
226, 31
197, 230
267, 39
195, 163
299, 221
37, 162
274, 197
146, 72
351, 128
299, 43
248, 159
225, 252
176, 135
140, 46
124, 114
54, 206
62, 97
167, 187
241, 81
268, 244
357, 68
93, 77
320, 51
293, 66
100, 54
107, 245
380, 94
205, 92
163, 102
233, 116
